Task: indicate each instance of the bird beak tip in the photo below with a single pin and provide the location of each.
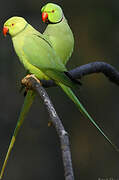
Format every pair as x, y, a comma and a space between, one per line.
5, 30
44, 16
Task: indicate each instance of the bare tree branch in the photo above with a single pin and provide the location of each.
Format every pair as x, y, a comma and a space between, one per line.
94, 67
32, 83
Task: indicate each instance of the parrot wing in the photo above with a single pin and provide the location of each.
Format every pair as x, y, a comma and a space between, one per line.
40, 54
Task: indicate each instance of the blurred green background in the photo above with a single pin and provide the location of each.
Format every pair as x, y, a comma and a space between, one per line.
36, 154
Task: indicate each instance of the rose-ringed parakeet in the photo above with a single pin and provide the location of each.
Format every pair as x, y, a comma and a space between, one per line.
58, 31
40, 59
61, 38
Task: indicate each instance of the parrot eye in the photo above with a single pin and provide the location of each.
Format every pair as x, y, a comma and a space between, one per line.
53, 11
12, 24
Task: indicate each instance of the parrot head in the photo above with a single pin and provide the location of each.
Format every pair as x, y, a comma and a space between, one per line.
14, 25
51, 13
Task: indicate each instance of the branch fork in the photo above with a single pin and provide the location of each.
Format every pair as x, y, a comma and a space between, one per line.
31, 82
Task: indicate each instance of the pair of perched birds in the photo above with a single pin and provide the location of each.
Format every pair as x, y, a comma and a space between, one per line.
45, 55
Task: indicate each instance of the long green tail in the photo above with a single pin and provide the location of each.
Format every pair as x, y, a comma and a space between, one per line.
25, 109
72, 96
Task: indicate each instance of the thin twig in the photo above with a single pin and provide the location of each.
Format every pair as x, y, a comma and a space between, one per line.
34, 84
94, 67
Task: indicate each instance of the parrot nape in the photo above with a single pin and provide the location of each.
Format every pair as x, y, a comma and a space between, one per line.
39, 58
58, 31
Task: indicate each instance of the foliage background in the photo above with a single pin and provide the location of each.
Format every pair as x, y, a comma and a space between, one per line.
36, 154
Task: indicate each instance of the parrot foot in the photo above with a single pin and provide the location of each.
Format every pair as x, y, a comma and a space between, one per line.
27, 81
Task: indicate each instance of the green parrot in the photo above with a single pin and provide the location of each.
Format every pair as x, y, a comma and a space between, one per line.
63, 46
39, 57
58, 31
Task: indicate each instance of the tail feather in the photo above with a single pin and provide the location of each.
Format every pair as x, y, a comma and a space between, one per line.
25, 109
72, 96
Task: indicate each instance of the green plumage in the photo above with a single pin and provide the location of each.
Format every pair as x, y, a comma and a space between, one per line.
59, 32
39, 58
25, 108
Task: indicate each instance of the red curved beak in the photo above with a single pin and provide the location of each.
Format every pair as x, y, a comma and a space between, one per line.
44, 16
5, 30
